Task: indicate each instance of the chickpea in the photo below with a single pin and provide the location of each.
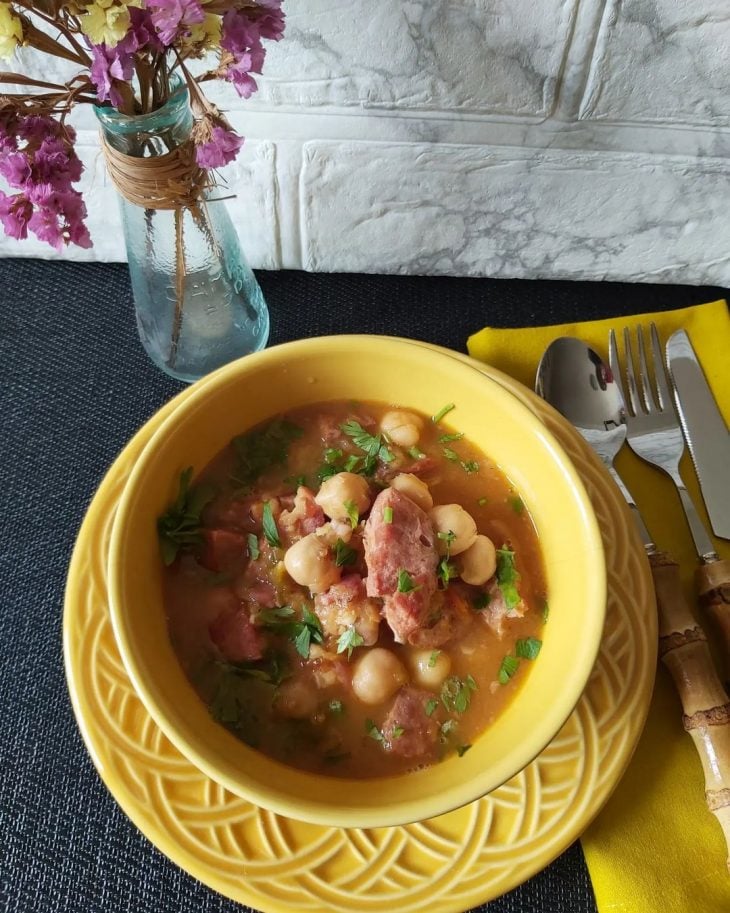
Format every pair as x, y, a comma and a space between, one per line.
296, 698
340, 488
309, 562
402, 428
479, 562
453, 518
334, 530
378, 674
414, 488
429, 668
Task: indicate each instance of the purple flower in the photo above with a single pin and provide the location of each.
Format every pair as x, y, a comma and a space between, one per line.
220, 149
58, 220
8, 130
15, 212
108, 65
15, 168
142, 31
174, 17
271, 24
243, 82
241, 38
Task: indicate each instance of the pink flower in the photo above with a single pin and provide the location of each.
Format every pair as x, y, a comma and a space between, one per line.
271, 24
8, 130
15, 212
109, 65
59, 220
242, 40
174, 17
220, 149
15, 168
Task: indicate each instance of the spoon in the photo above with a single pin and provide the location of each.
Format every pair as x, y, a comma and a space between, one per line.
576, 381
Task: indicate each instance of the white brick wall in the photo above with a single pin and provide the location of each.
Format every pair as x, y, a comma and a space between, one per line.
531, 138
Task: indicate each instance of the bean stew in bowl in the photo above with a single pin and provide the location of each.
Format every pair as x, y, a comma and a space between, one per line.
324, 572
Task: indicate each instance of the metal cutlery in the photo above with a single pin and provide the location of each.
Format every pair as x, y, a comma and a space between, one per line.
708, 440
574, 379
654, 433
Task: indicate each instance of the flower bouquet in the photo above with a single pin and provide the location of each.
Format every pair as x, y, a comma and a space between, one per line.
142, 64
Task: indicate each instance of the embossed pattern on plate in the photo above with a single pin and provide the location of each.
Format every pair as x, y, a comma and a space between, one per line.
450, 863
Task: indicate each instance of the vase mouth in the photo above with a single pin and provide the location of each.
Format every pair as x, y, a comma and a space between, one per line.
161, 117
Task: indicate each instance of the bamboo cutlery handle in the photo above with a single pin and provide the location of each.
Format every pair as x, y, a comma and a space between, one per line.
713, 588
684, 651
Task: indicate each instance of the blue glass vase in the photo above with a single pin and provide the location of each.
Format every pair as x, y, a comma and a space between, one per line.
197, 302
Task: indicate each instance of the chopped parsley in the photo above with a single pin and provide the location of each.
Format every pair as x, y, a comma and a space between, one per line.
301, 633
326, 471
431, 706
451, 455
397, 732
349, 639
461, 750
447, 537
336, 707
446, 438
373, 445
332, 455
507, 669
253, 546
179, 527
415, 453
507, 577
446, 571
259, 450
444, 410
373, 731
405, 583
387, 514
481, 601
353, 515
353, 463
432, 658
470, 466
482, 501
528, 647
271, 533
344, 555
296, 481
456, 693
517, 504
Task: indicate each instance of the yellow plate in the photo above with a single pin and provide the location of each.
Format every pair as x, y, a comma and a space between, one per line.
447, 864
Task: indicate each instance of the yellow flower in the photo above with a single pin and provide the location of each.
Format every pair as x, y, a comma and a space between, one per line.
11, 31
106, 22
205, 34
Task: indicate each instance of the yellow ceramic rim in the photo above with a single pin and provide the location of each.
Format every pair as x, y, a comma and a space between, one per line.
347, 811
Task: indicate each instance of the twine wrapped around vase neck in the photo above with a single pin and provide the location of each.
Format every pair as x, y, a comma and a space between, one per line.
169, 181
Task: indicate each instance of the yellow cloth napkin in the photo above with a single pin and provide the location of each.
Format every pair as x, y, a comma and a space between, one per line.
655, 847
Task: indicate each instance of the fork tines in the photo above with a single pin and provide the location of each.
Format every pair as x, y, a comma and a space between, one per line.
642, 397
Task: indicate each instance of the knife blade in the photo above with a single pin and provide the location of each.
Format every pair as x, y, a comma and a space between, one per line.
704, 430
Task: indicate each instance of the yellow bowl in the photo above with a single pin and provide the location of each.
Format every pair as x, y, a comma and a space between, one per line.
253, 389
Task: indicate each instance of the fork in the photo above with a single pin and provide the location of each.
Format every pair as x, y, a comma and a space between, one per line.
652, 425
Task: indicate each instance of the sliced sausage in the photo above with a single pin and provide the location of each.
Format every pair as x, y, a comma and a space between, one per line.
407, 730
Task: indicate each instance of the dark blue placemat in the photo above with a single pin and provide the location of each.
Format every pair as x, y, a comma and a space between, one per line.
74, 387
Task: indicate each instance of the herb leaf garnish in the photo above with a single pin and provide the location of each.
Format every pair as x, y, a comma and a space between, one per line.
447, 438
431, 706
442, 412
387, 514
301, 633
456, 693
517, 504
433, 658
353, 515
253, 546
481, 601
461, 750
344, 554
405, 583
336, 706
373, 731
373, 445
507, 669
507, 577
349, 639
259, 450
179, 527
528, 647
271, 532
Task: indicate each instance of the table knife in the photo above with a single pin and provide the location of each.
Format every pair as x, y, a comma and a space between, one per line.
708, 440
